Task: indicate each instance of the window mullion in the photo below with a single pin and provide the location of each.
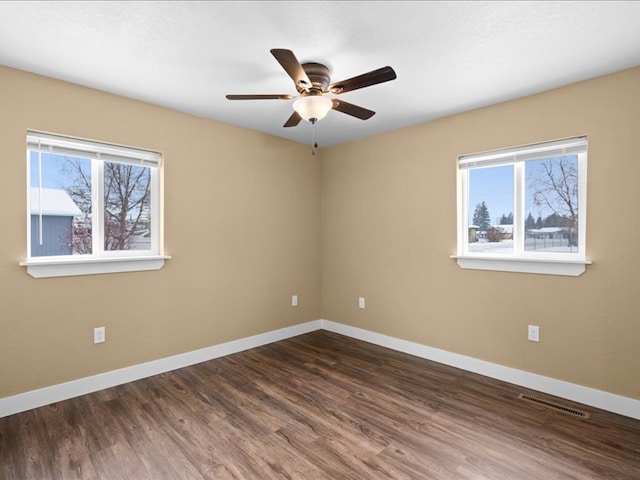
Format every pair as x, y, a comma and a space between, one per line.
463, 210
582, 202
154, 216
97, 206
518, 207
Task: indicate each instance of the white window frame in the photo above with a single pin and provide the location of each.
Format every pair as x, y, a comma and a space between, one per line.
551, 263
99, 261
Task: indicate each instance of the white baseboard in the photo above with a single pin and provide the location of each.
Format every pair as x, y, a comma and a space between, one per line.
56, 393
64, 391
588, 396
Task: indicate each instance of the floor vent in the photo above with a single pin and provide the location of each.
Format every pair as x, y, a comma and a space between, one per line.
555, 406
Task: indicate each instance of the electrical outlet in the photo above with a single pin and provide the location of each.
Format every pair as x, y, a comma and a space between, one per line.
99, 335
361, 302
294, 300
534, 333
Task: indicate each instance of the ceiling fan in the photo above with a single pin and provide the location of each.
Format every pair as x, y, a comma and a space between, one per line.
313, 82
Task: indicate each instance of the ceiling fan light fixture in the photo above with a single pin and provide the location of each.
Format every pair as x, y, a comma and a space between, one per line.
312, 107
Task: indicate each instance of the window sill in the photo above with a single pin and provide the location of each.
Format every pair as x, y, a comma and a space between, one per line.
572, 268
92, 266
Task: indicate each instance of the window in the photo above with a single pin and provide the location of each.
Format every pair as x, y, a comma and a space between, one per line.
92, 207
524, 209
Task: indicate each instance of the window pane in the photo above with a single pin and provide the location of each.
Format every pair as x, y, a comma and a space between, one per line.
127, 198
491, 209
551, 205
60, 213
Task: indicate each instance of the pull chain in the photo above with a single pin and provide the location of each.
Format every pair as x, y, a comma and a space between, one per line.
314, 141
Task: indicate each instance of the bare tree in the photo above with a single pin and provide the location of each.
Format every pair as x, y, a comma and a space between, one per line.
555, 187
126, 203
80, 235
126, 195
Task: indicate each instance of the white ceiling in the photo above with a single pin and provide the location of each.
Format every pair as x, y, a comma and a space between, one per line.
449, 56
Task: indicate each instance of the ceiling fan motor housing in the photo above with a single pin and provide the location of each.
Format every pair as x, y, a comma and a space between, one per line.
319, 76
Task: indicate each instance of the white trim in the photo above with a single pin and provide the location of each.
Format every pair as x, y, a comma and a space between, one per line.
91, 266
588, 396
572, 268
64, 391
567, 146
72, 146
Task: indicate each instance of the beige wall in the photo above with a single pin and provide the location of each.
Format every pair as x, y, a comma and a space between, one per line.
252, 219
242, 224
389, 226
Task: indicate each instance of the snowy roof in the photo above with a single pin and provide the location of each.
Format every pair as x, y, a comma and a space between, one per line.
55, 202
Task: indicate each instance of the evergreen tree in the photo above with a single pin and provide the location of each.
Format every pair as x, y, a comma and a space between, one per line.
481, 216
506, 219
555, 220
530, 222
549, 221
539, 223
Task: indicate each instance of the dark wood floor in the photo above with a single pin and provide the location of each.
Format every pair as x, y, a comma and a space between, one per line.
318, 406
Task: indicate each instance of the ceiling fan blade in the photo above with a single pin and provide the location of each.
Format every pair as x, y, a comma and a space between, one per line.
374, 77
260, 97
353, 110
292, 66
294, 120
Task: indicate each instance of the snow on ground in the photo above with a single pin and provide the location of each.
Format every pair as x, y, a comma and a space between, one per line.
506, 247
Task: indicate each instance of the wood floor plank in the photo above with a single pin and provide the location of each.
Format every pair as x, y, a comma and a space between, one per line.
314, 407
